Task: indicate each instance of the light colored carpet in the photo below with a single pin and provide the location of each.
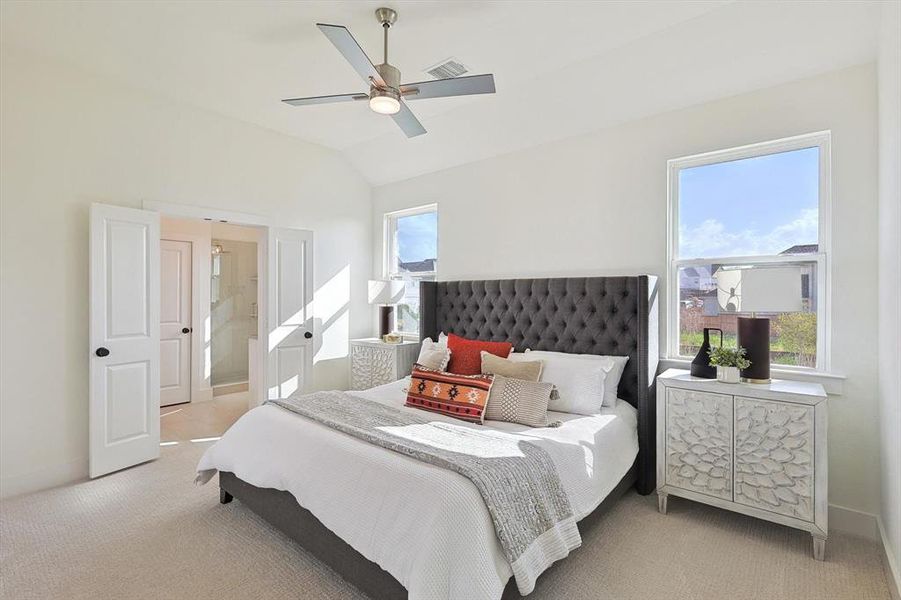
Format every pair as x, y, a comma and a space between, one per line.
148, 532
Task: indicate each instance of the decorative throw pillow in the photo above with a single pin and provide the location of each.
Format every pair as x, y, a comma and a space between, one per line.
527, 370
518, 401
466, 356
460, 396
434, 355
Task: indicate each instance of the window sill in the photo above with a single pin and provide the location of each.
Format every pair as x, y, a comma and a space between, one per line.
833, 384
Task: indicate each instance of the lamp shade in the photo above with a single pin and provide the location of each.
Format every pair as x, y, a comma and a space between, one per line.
383, 291
762, 289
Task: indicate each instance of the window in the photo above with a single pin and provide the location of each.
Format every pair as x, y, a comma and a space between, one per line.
756, 215
411, 256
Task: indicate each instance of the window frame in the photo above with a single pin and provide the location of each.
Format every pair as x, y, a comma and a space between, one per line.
389, 230
821, 140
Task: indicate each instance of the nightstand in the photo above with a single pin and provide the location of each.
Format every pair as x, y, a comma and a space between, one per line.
374, 362
756, 449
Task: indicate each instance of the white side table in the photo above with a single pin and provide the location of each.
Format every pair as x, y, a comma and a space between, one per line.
374, 362
756, 449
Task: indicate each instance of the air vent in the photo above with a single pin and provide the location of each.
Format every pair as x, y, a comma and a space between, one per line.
447, 69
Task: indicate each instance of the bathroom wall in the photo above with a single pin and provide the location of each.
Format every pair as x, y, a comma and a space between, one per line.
233, 309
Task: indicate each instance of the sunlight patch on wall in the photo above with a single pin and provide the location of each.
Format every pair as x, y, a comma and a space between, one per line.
335, 338
332, 300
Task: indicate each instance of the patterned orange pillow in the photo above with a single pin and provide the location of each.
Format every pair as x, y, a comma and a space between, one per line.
460, 396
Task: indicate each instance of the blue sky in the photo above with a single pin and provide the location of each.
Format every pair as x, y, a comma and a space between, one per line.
417, 237
759, 205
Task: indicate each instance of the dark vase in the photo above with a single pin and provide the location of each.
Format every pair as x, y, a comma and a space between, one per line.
700, 366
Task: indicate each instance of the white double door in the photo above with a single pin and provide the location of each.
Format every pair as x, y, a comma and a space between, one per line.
125, 330
175, 321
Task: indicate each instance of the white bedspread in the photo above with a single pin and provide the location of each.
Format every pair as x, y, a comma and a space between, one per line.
427, 526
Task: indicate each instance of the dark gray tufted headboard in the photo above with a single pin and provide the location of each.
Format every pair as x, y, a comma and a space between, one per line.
587, 315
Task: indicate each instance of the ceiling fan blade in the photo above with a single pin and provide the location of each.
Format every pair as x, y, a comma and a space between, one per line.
407, 121
325, 99
351, 50
452, 86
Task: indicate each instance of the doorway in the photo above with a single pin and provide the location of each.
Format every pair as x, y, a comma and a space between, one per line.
203, 401
126, 325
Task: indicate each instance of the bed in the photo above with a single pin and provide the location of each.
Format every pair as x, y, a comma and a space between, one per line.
396, 527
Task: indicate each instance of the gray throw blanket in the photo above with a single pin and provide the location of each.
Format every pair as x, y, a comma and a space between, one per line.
517, 479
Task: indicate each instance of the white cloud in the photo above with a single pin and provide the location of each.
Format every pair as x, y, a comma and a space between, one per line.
711, 238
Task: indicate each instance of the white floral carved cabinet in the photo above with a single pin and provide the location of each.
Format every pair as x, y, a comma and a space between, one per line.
757, 449
374, 362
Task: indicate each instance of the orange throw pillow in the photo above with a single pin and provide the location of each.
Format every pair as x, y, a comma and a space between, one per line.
461, 396
466, 355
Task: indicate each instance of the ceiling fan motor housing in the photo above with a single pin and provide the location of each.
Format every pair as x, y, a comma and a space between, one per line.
390, 75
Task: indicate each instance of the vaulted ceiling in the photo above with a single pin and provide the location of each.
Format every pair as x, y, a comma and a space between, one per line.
561, 68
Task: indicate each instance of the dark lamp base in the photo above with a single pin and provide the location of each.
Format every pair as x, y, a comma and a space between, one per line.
754, 337
385, 313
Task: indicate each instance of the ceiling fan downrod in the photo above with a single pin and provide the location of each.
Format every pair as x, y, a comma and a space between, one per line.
390, 74
387, 17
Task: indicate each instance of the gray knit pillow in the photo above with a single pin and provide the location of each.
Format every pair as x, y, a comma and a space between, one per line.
518, 401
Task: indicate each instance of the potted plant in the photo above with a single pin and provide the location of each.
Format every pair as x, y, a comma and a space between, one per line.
728, 362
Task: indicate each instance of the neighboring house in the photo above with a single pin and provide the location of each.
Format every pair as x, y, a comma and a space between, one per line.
805, 277
802, 249
696, 282
419, 266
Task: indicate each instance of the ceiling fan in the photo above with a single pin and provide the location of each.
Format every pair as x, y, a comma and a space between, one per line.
387, 95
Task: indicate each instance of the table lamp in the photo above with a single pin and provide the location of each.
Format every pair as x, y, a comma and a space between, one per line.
385, 293
774, 289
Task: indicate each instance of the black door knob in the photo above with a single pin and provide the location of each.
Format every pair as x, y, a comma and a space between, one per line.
186, 330
101, 351
308, 334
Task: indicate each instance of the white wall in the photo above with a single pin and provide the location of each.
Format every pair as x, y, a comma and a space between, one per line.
596, 204
70, 139
890, 279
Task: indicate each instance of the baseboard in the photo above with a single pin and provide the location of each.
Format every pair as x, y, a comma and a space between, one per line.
890, 562
42, 479
230, 388
854, 522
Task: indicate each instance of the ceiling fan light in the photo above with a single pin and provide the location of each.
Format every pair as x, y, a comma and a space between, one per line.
384, 102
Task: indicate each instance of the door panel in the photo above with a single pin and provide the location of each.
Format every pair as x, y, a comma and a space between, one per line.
170, 361
290, 311
125, 345
127, 420
175, 318
774, 450
127, 284
170, 279
699, 442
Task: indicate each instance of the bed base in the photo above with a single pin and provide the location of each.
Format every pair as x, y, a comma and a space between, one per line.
284, 513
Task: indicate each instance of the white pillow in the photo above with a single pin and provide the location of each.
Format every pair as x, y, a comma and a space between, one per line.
611, 382
613, 377
434, 355
579, 379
